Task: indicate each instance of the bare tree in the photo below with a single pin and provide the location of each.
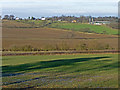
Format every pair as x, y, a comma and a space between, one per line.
11, 17
6, 17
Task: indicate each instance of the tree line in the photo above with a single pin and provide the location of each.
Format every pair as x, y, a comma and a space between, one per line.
114, 21
82, 19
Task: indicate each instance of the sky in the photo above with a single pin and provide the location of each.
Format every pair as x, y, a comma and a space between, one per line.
48, 8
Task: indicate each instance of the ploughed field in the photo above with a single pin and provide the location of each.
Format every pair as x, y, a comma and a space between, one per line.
60, 71
20, 34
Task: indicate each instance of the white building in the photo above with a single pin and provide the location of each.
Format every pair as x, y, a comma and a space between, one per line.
101, 22
43, 18
17, 18
59, 20
97, 23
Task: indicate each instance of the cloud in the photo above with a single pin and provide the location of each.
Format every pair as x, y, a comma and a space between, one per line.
59, 1
52, 7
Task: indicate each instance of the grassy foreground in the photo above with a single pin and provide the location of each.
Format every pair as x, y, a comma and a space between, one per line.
62, 71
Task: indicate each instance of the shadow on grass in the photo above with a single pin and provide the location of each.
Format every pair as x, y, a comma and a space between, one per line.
21, 69
45, 64
101, 68
21, 81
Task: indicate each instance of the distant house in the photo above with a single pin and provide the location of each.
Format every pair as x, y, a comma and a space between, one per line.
74, 21
92, 21
97, 23
43, 18
59, 20
101, 22
17, 18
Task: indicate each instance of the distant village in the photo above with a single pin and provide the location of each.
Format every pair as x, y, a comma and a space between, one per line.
70, 19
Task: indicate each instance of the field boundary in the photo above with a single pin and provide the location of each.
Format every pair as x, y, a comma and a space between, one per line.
59, 52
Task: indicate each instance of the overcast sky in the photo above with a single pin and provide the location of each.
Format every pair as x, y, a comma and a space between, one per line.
39, 8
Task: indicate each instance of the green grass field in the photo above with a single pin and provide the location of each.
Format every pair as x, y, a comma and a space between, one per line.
61, 71
102, 29
85, 28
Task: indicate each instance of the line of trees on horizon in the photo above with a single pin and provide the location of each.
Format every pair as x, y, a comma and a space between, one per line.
114, 21
64, 18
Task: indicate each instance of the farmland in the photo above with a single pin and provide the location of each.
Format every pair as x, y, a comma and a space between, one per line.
85, 28
81, 27
54, 70
61, 71
19, 34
